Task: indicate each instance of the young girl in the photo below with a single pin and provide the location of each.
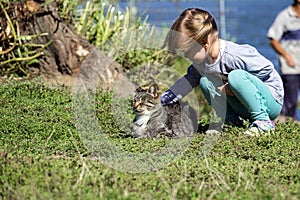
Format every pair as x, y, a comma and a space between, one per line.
235, 79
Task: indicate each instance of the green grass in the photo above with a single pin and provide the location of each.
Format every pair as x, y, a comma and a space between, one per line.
43, 157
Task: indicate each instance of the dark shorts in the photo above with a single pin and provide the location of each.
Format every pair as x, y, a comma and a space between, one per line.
291, 84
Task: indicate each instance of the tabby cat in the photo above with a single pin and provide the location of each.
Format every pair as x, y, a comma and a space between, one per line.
152, 119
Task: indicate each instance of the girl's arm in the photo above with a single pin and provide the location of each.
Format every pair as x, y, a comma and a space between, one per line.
182, 86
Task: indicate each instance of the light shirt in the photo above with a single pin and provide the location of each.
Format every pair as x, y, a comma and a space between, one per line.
232, 56
286, 30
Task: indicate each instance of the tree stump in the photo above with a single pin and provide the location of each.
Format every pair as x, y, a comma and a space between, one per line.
68, 53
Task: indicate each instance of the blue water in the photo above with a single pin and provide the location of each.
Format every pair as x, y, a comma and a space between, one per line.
247, 21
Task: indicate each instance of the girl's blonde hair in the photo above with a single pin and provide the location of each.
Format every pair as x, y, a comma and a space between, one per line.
193, 23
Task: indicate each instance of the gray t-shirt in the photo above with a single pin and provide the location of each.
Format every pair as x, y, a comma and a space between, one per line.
286, 30
232, 56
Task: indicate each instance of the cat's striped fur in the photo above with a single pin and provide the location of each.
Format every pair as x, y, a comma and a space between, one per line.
155, 120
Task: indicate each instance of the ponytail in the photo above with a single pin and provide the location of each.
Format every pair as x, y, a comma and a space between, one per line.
195, 24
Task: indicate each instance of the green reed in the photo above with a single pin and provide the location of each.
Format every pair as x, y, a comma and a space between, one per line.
18, 52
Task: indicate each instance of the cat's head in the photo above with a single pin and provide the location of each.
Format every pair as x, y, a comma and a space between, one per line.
146, 99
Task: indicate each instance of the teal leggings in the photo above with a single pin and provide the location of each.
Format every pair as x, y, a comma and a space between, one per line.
252, 99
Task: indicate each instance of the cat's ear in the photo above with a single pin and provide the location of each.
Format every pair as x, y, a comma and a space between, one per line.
139, 89
153, 89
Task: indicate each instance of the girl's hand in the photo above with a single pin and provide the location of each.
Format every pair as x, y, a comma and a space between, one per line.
290, 60
225, 89
168, 97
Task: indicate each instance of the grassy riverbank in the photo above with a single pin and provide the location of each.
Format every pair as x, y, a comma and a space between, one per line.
42, 157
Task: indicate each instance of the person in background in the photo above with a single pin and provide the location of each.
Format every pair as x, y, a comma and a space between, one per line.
235, 79
284, 36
